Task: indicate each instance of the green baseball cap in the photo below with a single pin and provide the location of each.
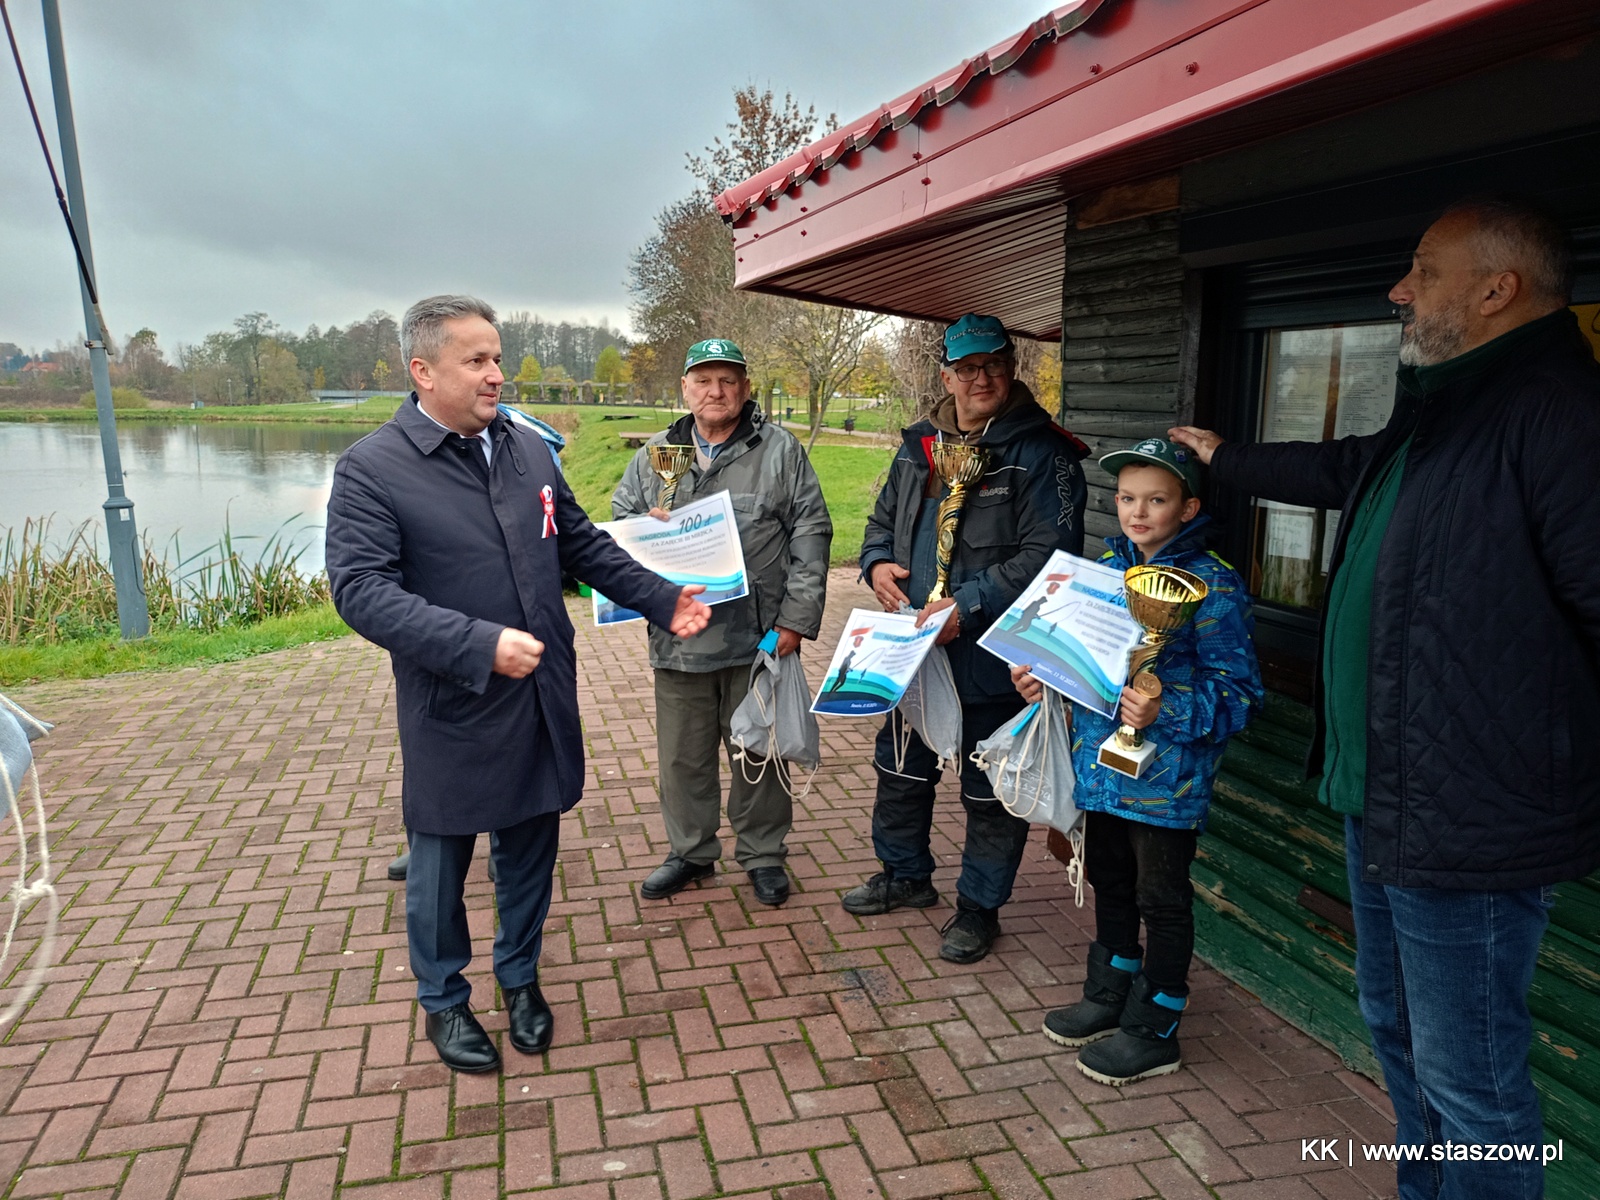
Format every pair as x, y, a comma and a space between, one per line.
712, 350
1157, 452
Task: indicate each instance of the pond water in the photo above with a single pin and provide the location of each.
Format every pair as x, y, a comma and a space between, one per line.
190, 481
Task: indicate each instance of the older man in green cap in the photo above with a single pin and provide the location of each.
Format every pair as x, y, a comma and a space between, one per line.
785, 532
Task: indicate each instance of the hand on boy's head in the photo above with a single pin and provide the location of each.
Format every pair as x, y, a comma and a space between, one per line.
1029, 688
1138, 710
1203, 442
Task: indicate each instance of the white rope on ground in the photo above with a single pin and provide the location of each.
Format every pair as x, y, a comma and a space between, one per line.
21, 892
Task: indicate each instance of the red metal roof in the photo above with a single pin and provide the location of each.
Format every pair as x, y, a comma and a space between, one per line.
821, 155
953, 197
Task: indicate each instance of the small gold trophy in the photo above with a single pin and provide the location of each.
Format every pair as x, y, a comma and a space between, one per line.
1162, 600
960, 466
671, 462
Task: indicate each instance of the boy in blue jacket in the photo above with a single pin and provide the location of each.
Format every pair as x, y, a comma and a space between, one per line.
1140, 834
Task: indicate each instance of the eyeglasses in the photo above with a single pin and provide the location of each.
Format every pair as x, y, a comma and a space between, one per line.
994, 368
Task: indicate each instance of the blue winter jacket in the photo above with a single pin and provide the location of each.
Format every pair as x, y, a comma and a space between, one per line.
1210, 686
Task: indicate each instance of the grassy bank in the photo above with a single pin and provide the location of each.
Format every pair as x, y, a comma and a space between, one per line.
165, 649
596, 457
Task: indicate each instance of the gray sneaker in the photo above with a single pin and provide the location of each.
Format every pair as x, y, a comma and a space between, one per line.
880, 894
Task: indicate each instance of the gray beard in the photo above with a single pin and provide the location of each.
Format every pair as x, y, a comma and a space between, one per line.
1432, 340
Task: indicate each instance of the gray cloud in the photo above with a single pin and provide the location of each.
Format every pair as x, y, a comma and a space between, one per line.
318, 160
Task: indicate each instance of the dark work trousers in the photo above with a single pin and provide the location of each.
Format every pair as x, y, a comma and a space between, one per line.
902, 816
1139, 870
436, 915
693, 712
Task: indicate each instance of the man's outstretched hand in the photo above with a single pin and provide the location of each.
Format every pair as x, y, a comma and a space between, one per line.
691, 616
1203, 442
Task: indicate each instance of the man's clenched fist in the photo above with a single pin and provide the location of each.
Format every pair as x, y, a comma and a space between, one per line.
517, 653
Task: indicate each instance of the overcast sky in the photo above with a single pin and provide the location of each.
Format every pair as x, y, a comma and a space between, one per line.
319, 160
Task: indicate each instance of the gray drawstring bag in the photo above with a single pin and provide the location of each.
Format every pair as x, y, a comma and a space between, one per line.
774, 723
931, 707
1029, 762
16, 731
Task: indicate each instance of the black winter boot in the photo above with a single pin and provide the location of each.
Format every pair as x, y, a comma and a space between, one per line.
1105, 992
1145, 1046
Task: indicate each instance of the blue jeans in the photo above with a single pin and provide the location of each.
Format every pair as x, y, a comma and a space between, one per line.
1443, 977
436, 913
902, 814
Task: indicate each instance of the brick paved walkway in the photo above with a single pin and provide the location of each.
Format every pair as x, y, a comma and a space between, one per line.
232, 1013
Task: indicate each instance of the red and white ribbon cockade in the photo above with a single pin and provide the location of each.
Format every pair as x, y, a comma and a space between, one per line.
548, 495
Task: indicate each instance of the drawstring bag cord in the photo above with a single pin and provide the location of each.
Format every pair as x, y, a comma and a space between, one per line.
22, 891
771, 759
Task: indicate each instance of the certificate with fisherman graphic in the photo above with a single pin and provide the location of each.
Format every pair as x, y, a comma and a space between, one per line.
698, 543
875, 661
1071, 625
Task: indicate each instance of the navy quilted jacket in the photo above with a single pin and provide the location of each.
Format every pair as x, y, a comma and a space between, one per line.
1483, 721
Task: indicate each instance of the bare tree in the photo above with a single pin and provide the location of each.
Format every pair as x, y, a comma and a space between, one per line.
825, 342
915, 350
682, 277
765, 131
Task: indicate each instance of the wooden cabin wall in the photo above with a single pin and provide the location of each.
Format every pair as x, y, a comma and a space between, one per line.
1129, 338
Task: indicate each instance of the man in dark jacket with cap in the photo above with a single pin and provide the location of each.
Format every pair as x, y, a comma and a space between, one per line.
449, 529
1458, 691
1028, 504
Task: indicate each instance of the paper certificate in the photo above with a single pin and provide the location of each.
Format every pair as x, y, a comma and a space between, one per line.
698, 543
875, 661
1071, 625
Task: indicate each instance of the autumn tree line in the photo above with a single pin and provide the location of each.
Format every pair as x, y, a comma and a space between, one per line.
259, 362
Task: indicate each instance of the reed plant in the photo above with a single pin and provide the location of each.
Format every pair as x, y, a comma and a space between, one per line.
53, 593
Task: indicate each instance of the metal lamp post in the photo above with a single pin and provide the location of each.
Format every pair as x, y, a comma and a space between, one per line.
133, 613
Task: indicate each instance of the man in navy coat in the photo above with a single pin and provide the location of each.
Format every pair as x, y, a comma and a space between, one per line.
448, 532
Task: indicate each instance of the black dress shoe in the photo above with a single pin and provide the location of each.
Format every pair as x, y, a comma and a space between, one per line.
673, 876
771, 884
399, 867
530, 1019
461, 1042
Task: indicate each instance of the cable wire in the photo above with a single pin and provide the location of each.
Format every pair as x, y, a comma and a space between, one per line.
61, 197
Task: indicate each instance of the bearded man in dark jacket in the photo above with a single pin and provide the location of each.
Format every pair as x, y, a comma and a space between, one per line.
1458, 691
1028, 504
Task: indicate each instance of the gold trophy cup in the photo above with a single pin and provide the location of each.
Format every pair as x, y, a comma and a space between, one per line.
1162, 600
960, 466
670, 462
